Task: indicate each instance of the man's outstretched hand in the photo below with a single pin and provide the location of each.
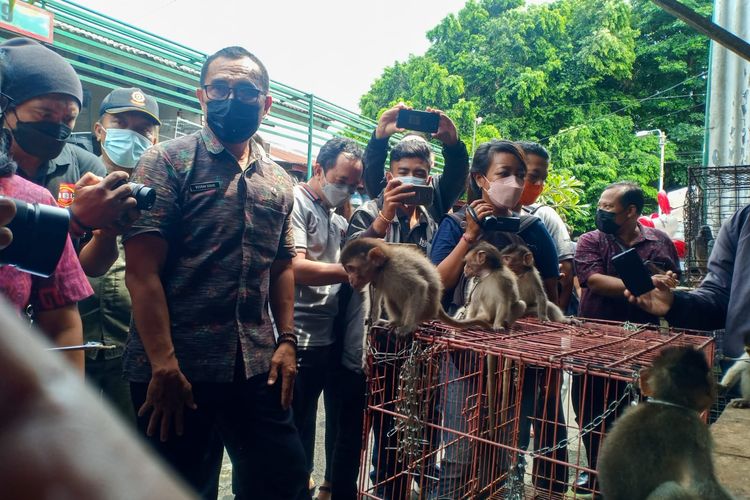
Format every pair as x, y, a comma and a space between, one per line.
659, 300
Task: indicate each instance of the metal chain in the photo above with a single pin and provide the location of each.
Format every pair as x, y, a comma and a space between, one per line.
629, 392
416, 380
515, 489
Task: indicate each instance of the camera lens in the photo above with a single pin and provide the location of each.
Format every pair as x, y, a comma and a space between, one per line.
145, 197
39, 236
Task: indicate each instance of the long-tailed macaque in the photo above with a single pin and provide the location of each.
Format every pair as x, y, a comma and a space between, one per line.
495, 297
740, 371
403, 279
520, 260
661, 449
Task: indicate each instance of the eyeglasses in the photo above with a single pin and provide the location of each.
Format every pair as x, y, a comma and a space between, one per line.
244, 93
5, 101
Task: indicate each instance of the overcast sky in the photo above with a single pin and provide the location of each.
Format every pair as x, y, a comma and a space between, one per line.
332, 48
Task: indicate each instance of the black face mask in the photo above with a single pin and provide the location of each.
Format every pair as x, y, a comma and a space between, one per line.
605, 221
43, 140
233, 121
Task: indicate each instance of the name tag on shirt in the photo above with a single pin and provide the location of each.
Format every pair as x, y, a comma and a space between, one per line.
204, 186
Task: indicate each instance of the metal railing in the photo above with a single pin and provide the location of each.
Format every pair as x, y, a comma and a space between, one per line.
111, 53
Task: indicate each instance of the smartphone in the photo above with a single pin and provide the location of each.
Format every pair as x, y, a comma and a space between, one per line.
422, 196
633, 272
421, 121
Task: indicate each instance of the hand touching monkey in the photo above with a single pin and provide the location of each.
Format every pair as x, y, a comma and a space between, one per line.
495, 298
521, 261
403, 279
661, 448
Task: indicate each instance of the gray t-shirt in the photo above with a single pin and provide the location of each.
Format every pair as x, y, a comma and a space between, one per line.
320, 233
556, 228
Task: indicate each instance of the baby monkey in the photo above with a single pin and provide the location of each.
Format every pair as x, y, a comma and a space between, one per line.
403, 279
520, 260
495, 298
740, 371
661, 449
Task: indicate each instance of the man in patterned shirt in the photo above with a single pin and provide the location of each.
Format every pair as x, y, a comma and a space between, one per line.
202, 267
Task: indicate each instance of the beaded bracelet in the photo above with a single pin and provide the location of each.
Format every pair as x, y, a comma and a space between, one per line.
289, 338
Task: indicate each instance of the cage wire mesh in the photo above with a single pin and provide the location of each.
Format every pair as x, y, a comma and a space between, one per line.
519, 414
713, 195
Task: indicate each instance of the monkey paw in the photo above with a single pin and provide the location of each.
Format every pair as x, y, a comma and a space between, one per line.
404, 331
740, 403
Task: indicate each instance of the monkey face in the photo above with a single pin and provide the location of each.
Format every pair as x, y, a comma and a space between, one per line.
473, 263
470, 267
514, 263
360, 272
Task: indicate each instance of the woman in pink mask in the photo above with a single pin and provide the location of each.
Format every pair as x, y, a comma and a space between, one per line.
496, 178
497, 181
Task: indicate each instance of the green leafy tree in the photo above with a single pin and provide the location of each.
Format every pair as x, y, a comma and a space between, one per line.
670, 54
420, 81
564, 193
578, 76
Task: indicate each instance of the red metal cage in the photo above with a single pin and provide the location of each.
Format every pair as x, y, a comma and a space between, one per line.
520, 414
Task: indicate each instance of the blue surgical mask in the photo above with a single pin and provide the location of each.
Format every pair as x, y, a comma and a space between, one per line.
356, 200
125, 147
413, 181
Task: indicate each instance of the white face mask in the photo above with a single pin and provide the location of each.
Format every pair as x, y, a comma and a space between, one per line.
413, 181
336, 194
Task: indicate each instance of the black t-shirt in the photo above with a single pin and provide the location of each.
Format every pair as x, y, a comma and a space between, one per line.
60, 175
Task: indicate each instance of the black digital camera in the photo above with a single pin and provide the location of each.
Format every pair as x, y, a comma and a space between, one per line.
39, 235
145, 197
495, 223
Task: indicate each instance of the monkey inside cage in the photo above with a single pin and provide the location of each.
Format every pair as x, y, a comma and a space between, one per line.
456, 414
713, 195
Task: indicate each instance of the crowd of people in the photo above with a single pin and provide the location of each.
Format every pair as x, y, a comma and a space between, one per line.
225, 303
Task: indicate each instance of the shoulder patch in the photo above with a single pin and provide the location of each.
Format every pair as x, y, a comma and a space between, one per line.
65, 194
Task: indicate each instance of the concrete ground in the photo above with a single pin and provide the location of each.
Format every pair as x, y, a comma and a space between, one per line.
574, 449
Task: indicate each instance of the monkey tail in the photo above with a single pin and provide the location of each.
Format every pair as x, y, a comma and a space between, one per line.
445, 318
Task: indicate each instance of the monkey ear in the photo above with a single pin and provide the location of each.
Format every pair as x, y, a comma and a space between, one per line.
377, 256
507, 259
528, 259
643, 381
481, 257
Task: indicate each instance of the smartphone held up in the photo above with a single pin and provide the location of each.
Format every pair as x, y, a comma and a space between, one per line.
421, 121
